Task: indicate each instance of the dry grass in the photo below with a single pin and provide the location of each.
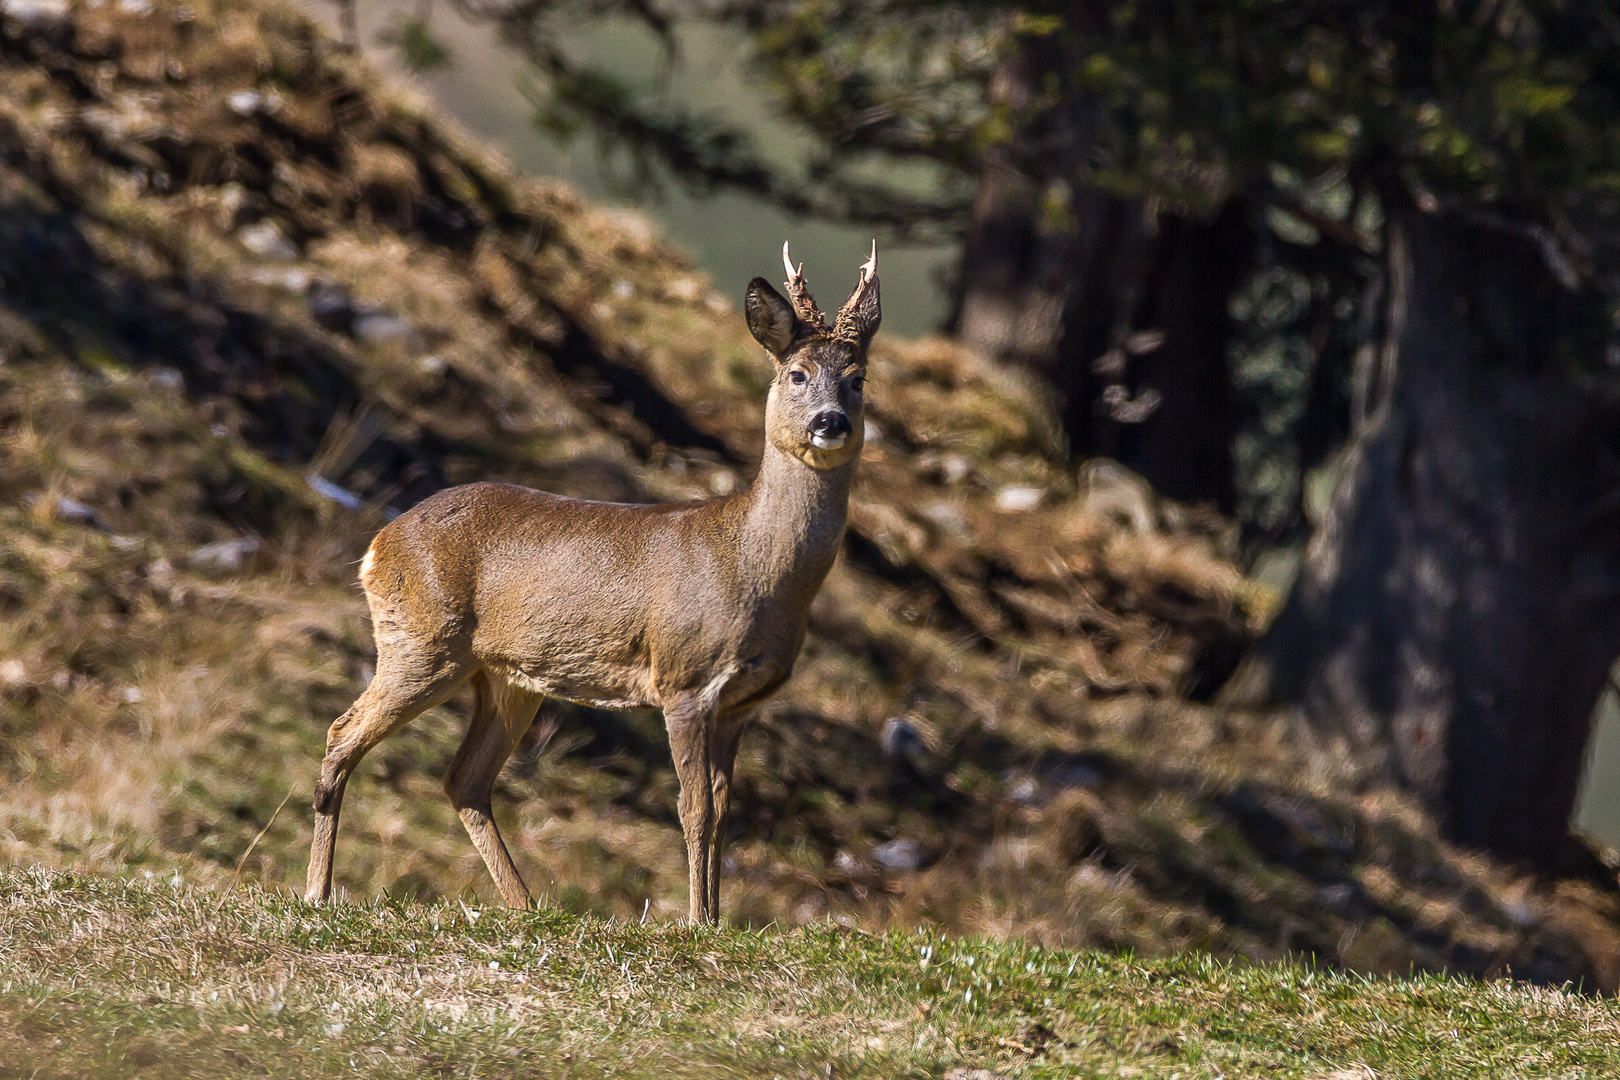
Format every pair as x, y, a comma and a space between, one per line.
199, 295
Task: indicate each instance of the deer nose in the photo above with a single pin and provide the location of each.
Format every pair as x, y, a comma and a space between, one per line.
830, 428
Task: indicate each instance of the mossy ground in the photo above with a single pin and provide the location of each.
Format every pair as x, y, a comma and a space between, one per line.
102, 977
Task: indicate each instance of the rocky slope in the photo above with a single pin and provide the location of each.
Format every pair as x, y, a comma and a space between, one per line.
254, 300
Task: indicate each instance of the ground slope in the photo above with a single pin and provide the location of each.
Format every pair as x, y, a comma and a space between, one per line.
254, 300
104, 978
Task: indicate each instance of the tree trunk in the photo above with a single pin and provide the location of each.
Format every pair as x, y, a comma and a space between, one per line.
1459, 607
1070, 283
1184, 445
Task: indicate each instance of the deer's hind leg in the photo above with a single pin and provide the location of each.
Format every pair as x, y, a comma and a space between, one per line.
407, 683
502, 713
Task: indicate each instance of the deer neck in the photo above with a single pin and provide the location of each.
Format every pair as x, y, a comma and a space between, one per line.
793, 521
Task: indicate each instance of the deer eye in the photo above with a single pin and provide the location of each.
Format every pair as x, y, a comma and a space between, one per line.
797, 377
857, 384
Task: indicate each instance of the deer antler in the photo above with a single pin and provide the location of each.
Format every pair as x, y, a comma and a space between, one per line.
845, 327
799, 293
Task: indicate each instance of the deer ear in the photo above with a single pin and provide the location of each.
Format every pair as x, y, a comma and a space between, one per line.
770, 318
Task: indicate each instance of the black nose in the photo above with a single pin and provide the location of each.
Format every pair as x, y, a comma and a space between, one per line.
831, 424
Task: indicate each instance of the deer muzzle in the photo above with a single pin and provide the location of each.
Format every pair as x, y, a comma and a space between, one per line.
829, 430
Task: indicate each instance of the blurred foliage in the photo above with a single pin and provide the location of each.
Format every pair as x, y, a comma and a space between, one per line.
1511, 104
1313, 115
412, 36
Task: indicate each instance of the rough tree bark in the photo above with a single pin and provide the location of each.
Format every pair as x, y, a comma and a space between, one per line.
1121, 314
1459, 607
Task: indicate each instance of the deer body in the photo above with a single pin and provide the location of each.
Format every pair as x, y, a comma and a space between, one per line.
617, 606
698, 609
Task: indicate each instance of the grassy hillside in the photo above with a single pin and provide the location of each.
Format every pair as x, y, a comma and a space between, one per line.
254, 300
100, 978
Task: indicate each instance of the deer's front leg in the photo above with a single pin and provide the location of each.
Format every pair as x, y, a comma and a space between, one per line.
692, 744
727, 734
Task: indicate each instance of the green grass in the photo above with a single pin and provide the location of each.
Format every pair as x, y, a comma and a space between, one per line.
102, 977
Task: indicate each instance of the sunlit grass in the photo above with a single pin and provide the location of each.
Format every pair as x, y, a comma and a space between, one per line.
100, 976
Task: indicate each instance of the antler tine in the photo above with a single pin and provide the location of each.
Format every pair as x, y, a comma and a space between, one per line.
842, 327
799, 292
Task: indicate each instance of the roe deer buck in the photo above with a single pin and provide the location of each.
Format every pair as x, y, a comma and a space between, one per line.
697, 608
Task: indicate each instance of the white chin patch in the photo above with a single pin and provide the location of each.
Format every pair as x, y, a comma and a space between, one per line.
825, 442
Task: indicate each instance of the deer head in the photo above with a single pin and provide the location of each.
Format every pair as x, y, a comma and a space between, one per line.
814, 410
